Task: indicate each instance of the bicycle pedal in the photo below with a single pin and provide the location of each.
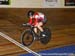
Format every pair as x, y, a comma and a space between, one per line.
35, 38
43, 37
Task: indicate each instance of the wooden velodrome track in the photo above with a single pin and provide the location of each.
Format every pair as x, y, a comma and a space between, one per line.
60, 21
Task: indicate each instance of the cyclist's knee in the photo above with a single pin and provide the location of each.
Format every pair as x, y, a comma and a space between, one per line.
40, 23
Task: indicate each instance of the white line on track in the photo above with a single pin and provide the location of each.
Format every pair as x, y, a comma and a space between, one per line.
18, 44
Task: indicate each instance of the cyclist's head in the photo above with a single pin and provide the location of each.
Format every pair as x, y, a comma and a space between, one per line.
30, 13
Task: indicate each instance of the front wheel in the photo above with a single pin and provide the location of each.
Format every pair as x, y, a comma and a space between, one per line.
27, 38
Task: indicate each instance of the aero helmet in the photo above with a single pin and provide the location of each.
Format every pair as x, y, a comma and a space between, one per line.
30, 13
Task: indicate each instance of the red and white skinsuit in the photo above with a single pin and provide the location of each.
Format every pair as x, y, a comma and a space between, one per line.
36, 18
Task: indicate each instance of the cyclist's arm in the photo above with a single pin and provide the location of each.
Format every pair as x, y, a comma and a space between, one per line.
30, 21
35, 19
35, 22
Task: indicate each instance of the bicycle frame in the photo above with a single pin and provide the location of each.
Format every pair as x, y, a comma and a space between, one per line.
31, 29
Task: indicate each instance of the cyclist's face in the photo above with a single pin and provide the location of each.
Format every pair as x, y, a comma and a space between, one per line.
32, 16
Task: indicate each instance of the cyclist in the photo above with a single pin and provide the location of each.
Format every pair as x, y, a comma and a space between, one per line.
37, 19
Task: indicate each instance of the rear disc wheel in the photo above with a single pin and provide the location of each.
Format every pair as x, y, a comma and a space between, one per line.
47, 38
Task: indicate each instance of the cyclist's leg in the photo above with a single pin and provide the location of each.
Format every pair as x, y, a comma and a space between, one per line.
35, 30
40, 24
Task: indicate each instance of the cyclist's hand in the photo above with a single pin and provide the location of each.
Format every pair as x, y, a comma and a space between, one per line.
23, 24
27, 24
